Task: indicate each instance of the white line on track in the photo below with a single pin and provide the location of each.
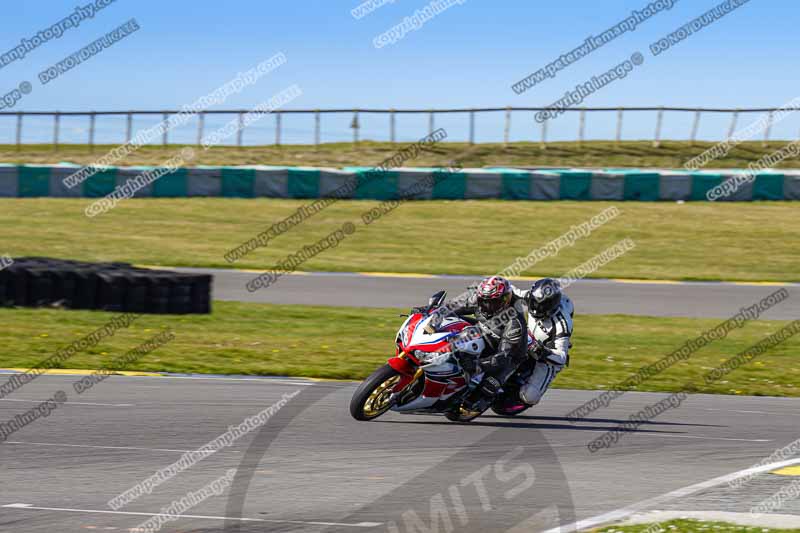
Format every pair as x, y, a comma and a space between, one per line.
260, 380
749, 412
101, 447
667, 435
72, 403
758, 521
27, 506
625, 512
261, 403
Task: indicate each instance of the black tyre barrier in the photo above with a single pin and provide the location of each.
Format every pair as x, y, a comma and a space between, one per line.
121, 287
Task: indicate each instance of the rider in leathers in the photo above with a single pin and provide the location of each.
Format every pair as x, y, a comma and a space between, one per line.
501, 320
550, 324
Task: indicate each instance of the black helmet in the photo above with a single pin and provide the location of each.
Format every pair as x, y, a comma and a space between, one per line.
543, 298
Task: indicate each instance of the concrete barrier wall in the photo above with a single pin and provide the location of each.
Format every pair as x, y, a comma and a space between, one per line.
24, 181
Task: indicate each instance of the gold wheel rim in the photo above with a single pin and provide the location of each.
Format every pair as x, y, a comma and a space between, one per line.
378, 402
466, 414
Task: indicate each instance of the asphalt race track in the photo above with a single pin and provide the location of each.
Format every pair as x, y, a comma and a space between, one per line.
688, 299
312, 468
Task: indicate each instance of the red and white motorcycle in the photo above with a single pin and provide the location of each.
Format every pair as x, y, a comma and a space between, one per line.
425, 376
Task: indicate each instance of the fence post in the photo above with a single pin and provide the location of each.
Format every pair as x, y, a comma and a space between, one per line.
472, 126
770, 119
278, 128
355, 125
316, 128
619, 126
695, 126
56, 128
430, 123
129, 128
543, 142
732, 128
240, 132
165, 122
201, 124
391, 126
92, 117
582, 127
19, 131
507, 129
659, 122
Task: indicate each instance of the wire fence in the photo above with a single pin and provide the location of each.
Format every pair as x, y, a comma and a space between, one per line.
355, 124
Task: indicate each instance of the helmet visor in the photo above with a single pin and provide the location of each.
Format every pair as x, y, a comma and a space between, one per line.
490, 306
544, 308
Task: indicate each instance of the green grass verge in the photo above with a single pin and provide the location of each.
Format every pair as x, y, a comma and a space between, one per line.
745, 241
690, 526
671, 154
349, 343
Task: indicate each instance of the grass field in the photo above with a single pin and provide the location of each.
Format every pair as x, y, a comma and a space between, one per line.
671, 154
745, 241
691, 526
349, 343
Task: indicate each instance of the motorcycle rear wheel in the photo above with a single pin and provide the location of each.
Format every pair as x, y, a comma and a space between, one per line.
503, 411
371, 398
508, 403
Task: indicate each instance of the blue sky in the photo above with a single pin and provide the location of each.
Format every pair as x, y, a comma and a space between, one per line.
467, 56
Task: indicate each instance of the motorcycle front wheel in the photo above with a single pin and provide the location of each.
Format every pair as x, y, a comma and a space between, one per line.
372, 397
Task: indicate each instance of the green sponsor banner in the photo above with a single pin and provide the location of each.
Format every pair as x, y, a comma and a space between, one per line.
100, 184
33, 181
576, 186
702, 183
303, 183
768, 187
643, 187
171, 185
238, 182
449, 185
516, 186
376, 185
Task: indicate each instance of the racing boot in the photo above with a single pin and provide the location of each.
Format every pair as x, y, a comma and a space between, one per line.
479, 399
